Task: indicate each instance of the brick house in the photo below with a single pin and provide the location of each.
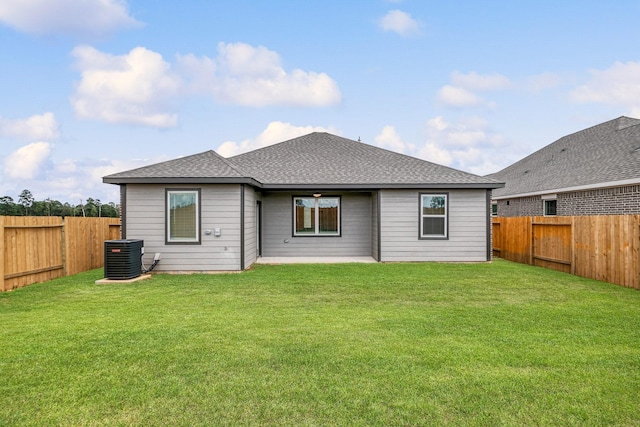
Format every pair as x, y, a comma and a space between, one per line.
595, 171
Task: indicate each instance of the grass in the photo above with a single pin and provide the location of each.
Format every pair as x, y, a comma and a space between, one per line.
353, 344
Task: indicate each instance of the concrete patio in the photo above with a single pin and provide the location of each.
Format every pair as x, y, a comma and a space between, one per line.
314, 260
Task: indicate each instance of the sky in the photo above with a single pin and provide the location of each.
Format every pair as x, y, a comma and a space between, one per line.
93, 87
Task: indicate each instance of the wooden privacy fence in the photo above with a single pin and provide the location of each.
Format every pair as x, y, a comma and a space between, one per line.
37, 249
599, 247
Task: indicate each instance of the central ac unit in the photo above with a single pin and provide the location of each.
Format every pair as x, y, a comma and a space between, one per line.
123, 258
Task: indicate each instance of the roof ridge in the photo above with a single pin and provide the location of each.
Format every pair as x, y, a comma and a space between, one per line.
229, 163
626, 122
371, 146
167, 161
597, 154
276, 144
565, 137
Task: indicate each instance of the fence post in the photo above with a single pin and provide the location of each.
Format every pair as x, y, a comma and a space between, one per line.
64, 246
2, 254
533, 241
573, 245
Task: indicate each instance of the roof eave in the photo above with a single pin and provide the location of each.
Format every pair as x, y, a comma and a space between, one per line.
180, 180
288, 186
375, 186
586, 187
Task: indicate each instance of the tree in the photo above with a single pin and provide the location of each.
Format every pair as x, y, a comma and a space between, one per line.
26, 199
47, 203
7, 206
68, 210
27, 205
81, 206
90, 207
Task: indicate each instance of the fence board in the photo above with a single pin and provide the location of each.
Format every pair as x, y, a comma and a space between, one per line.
38, 249
552, 246
599, 247
2, 252
514, 238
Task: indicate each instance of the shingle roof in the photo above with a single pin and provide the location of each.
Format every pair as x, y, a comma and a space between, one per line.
324, 159
315, 160
203, 167
604, 153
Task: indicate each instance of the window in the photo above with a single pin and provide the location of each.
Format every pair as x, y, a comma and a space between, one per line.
183, 216
433, 216
494, 209
316, 216
550, 207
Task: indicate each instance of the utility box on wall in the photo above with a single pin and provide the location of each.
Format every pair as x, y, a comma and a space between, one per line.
123, 259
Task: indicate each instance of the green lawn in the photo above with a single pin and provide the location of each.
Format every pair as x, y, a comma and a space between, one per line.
352, 344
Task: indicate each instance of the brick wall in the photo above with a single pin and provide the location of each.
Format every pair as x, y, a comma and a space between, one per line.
605, 201
524, 206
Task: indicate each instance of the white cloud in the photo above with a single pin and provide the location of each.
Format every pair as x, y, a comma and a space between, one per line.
480, 82
71, 180
390, 140
141, 88
36, 127
253, 76
27, 162
35, 168
135, 88
432, 152
462, 90
453, 96
618, 85
274, 132
69, 17
400, 22
468, 145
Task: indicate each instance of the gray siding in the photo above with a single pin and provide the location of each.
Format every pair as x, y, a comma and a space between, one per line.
375, 226
220, 208
277, 229
250, 228
399, 210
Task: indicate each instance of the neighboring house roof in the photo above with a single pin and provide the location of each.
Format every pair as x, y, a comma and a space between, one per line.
605, 155
316, 160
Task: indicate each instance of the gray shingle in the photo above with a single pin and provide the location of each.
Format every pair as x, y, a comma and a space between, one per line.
606, 152
203, 165
324, 159
318, 159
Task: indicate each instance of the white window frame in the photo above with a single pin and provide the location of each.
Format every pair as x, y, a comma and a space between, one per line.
445, 216
316, 232
196, 238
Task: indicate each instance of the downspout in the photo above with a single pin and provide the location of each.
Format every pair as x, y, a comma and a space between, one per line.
241, 227
489, 234
379, 220
123, 211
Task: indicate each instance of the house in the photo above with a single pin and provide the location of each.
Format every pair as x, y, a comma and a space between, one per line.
595, 171
317, 195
